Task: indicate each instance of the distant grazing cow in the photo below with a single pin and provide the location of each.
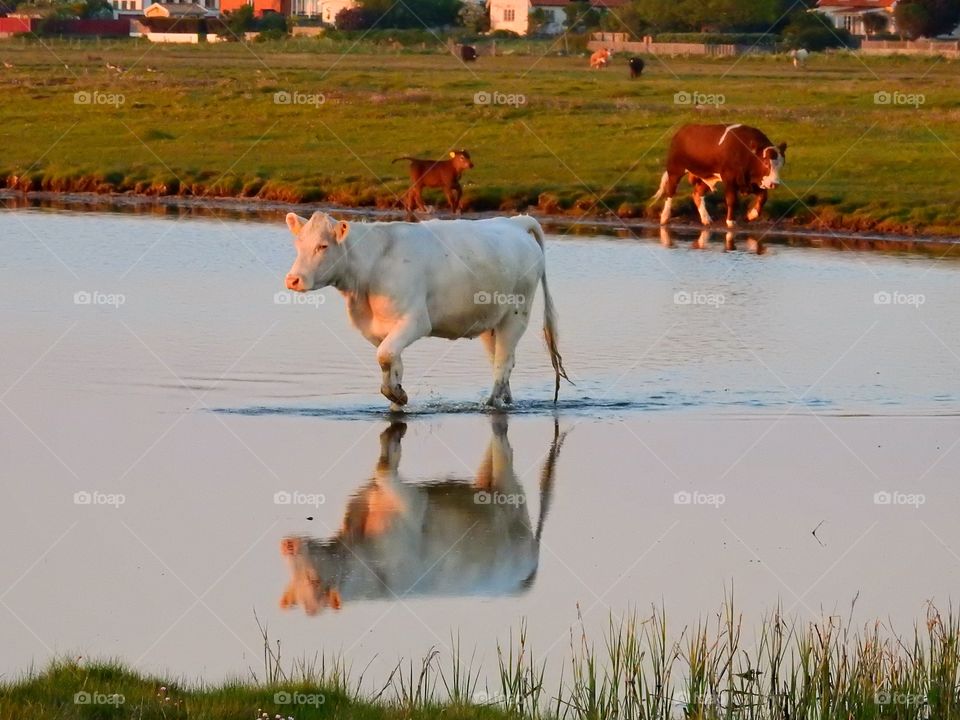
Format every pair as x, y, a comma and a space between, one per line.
468, 53
741, 157
440, 537
636, 67
443, 278
601, 58
443, 174
799, 57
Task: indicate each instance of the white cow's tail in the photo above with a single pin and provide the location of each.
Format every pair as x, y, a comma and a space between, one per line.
549, 311
662, 190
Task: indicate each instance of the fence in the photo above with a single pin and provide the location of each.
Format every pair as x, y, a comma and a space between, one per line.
620, 42
947, 48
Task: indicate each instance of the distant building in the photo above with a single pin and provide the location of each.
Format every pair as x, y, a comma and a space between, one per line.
139, 7
514, 15
259, 6
849, 14
325, 10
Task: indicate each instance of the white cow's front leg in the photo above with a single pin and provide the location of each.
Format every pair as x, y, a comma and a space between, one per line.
405, 332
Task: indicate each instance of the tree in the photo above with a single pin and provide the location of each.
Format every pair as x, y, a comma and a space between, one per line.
581, 16
410, 13
926, 18
355, 18
537, 20
240, 20
474, 16
875, 23
814, 31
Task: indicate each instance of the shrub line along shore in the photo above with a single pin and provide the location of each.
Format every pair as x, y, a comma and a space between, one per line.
205, 122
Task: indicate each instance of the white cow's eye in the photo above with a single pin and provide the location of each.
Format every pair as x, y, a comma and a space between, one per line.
319, 249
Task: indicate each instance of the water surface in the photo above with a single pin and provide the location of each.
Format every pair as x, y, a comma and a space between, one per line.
235, 451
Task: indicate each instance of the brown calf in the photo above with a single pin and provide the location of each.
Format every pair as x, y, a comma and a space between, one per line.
443, 174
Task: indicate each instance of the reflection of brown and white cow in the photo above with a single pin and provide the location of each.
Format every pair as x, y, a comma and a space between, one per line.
438, 538
741, 157
601, 58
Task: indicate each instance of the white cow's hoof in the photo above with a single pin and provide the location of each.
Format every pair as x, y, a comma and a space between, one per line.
396, 395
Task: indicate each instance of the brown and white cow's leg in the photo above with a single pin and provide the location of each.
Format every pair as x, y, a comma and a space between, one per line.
731, 195
700, 188
508, 334
757, 208
668, 186
411, 327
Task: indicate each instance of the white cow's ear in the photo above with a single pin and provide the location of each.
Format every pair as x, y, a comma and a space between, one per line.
343, 227
295, 223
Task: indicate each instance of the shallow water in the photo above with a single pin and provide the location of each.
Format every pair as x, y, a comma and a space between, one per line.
703, 442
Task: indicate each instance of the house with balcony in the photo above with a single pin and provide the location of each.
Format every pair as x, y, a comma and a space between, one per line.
854, 15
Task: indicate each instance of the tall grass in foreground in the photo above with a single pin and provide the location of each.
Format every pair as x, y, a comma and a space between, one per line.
789, 669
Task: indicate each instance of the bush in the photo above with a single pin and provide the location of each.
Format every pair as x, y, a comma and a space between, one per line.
813, 31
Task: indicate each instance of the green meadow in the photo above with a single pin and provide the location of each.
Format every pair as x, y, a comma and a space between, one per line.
308, 120
645, 668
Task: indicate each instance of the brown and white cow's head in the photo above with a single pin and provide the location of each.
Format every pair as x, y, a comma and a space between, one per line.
319, 245
772, 160
306, 587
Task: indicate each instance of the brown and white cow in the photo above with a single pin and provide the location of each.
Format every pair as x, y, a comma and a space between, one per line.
601, 58
740, 157
441, 537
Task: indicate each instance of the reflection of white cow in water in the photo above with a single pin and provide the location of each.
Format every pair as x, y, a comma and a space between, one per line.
449, 537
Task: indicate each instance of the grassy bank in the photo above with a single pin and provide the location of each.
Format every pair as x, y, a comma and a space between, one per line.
203, 121
789, 669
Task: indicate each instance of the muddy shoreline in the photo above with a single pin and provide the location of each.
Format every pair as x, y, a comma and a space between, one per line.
270, 210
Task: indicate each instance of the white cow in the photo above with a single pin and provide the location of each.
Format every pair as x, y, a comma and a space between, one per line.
440, 537
442, 278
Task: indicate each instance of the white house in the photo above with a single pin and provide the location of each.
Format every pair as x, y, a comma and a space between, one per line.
849, 14
139, 7
514, 15
325, 10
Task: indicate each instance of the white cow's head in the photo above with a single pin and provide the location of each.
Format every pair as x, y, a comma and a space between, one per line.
306, 587
773, 159
319, 245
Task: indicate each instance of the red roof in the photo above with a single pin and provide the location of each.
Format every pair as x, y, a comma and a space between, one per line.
564, 3
857, 4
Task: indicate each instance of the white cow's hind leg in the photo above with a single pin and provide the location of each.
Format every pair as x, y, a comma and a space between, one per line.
508, 334
406, 331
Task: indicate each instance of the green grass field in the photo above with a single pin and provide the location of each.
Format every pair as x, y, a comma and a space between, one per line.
203, 121
789, 669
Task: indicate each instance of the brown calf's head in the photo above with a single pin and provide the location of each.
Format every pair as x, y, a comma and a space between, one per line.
461, 160
772, 160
